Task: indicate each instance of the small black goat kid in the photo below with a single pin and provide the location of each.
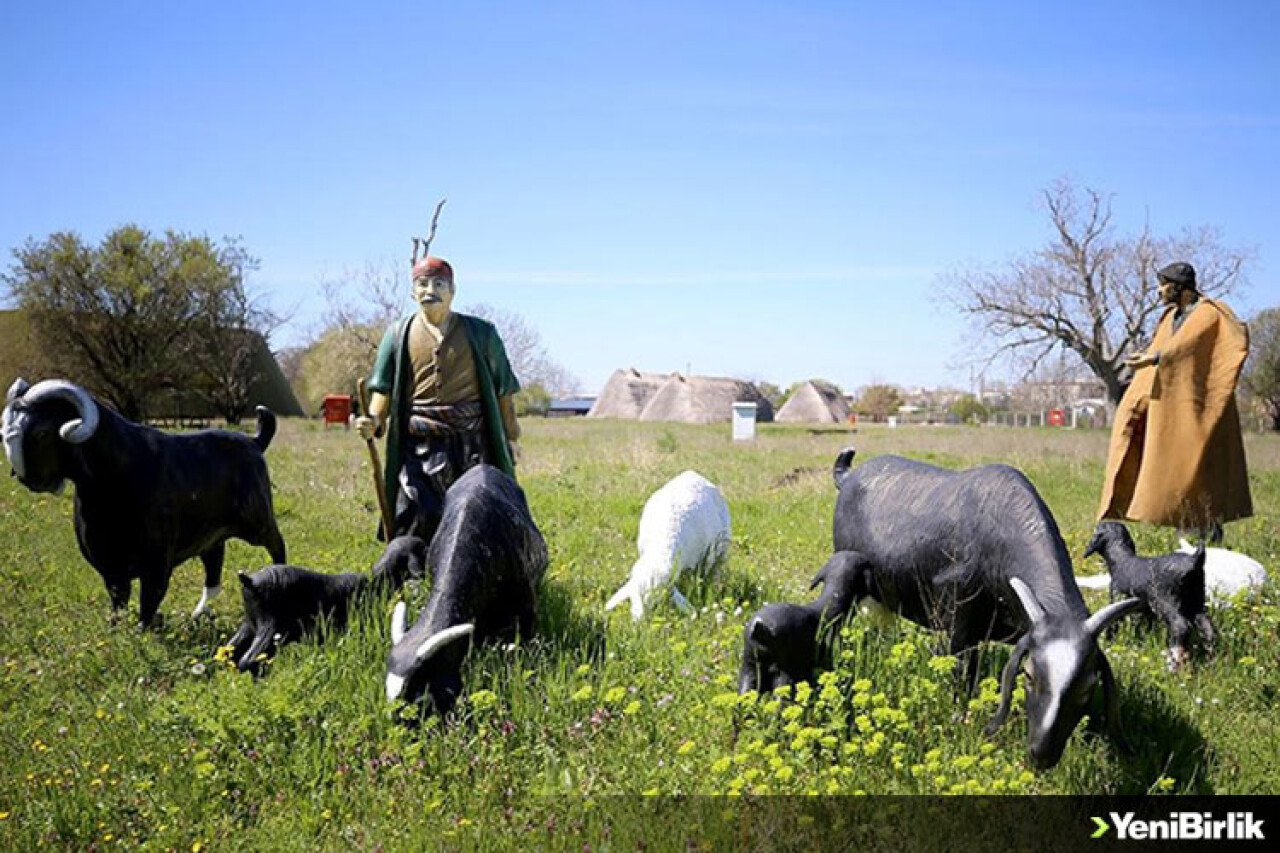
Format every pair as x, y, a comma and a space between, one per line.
1171, 587
145, 500
978, 554
487, 559
784, 643
283, 603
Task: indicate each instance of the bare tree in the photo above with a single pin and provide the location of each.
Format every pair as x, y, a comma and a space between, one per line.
363, 301
1088, 290
526, 352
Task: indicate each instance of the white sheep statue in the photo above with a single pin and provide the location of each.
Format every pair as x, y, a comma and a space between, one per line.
684, 526
1227, 572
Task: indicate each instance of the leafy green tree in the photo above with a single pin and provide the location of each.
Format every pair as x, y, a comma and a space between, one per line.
772, 393
968, 408
532, 399
1262, 369
123, 317
878, 401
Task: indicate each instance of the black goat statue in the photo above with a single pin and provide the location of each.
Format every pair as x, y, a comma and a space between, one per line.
487, 559
784, 643
284, 603
145, 500
1171, 587
954, 551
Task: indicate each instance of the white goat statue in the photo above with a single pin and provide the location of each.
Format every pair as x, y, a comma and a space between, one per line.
684, 526
1227, 573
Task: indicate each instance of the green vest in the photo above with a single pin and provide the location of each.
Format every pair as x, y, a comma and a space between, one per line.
393, 376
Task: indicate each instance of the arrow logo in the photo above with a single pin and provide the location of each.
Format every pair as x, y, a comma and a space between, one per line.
1103, 826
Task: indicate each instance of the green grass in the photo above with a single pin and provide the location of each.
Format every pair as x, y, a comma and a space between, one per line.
110, 736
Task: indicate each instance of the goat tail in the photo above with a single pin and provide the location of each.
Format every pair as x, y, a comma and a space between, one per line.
627, 592
843, 463
266, 428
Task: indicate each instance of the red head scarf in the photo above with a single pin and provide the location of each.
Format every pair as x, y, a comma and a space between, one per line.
432, 266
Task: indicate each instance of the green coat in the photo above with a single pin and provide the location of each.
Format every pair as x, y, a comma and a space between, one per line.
393, 376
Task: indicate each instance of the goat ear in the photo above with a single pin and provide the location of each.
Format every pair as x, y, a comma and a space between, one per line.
440, 639
820, 577
246, 581
1100, 621
760, 632
1035, 613
398, 623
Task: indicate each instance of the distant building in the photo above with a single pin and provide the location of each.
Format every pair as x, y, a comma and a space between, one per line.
570, 407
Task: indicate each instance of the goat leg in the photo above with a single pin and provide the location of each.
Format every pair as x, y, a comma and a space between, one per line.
152, 588
1205, 628
212, 559
118, 590
681, 602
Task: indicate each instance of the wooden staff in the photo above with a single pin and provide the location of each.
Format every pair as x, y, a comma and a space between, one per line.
376, 463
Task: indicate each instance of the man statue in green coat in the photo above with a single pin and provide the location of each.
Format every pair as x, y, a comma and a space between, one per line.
441, 391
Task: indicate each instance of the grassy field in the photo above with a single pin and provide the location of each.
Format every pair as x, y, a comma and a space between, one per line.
114, 737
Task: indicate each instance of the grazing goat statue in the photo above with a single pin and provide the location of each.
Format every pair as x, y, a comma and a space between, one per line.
1170, 587
487, 559
283, 603
782, 643
954, 550
145, 500
684, 526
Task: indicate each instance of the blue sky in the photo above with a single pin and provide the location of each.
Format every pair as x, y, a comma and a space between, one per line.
766, 190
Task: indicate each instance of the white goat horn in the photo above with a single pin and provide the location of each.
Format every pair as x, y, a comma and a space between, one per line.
77, 430
1034, 611
1098, 622
17, 389
435, 642
398, 623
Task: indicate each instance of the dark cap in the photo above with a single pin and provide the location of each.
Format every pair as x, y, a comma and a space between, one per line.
1180, 273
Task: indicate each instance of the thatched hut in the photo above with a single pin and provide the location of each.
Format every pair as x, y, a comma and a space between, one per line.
814, 402
626, 394
703, 400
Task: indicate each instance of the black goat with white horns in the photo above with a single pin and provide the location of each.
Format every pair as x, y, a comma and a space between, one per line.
954, 551
145, 500
283, 603
487, 559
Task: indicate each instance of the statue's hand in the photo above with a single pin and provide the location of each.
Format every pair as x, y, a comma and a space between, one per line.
1141, 360
367, 427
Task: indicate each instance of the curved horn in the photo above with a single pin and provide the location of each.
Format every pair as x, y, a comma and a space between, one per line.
77, 430
1008, 679
398, 628
1098, 622
442, 638
17, 389
1035, 613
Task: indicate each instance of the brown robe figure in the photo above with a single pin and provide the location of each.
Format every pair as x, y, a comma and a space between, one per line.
1177, 456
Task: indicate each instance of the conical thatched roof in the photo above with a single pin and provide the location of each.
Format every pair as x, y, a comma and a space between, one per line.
626, 394
814, 402
703, 400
